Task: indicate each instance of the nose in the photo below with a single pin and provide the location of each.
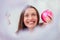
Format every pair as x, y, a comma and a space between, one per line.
30, 17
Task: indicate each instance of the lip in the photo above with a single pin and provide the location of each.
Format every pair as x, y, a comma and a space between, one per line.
31, 22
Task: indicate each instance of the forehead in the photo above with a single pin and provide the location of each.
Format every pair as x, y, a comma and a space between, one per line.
29, 10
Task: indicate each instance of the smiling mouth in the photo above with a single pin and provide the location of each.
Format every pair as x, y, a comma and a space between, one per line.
31, 22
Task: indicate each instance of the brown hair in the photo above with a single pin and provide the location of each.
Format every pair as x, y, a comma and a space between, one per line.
21, 22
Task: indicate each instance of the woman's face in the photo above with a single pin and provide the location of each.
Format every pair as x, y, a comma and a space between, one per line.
30, 18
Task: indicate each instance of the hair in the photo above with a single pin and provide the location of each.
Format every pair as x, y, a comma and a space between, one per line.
21, 25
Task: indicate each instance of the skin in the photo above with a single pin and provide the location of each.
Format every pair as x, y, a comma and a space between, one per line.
48, 20
30, 18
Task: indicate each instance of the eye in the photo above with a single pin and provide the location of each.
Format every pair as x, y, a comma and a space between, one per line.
33, 14
26, 15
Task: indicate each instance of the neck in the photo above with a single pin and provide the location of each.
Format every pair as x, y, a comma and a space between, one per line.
31, 29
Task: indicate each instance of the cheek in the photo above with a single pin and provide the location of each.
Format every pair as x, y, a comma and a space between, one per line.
25, 21
36, 19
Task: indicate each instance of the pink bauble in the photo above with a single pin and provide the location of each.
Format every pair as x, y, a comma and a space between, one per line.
45, 14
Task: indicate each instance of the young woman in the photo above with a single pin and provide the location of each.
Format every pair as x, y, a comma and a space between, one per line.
29, 18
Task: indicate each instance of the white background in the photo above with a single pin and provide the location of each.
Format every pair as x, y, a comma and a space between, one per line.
10, 12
